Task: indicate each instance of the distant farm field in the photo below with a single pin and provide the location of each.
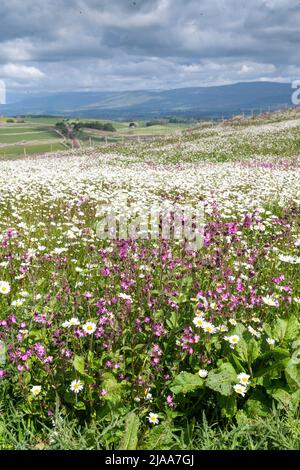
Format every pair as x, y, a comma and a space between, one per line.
29, 138
15, 137
40, 135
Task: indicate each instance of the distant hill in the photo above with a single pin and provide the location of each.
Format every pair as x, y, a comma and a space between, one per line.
184, 102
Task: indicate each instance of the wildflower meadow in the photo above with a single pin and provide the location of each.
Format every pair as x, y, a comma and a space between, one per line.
145, 342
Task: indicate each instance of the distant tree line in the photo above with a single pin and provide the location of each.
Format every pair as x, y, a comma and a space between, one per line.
73, 130
155, 123
107, 126
168, 120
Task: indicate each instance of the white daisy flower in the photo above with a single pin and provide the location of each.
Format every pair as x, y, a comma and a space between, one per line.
198, 321
36, 390
153, 418
76, 386
208, 327
89, 327
233, 339
240, 389
4, 288
244, 378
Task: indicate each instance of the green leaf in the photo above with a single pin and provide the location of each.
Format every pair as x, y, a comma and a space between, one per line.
296, 398
270, 362
130, 438
228, 405
159, 437
292, 374
242, 349
78, 363
241, 418
113, 387
293, 329
248, 347
287, 330
282, 396
26, 377
186, 382
253, 350
280, 329
258, 404
36, 334
238, 366
79, 405
221, 379
3, 349
172, 322
69, 397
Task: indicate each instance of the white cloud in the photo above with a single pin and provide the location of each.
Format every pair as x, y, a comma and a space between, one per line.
126, 44
20, 72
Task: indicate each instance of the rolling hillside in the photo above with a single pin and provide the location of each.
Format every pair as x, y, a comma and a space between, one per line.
189, 102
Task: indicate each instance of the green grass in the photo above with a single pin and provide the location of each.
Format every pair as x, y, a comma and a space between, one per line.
278, 431
16, 129
43, 120
36, 139
15, 151
26, 137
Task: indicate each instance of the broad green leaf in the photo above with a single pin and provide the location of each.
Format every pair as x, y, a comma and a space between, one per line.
222, 379
26, 375
279, 329
293, 329
78, 363
296, 398
292, 374
79, 405
130, 438
237, 365
273, 360
113, 387
186, 382
159, 437
282, 396
228, 405
258, 404
241, 418
69, 397
253, 350
36, 334
242, 349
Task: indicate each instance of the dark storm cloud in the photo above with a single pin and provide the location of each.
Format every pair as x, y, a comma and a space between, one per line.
127, 44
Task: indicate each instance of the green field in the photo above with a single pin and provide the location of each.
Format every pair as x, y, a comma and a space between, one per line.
15, 129
37, 135
13, 138
31, 137
18, 150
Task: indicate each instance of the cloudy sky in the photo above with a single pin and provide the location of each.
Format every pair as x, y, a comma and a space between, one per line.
146, 44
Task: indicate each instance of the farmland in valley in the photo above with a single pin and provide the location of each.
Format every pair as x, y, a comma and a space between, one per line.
38, 135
